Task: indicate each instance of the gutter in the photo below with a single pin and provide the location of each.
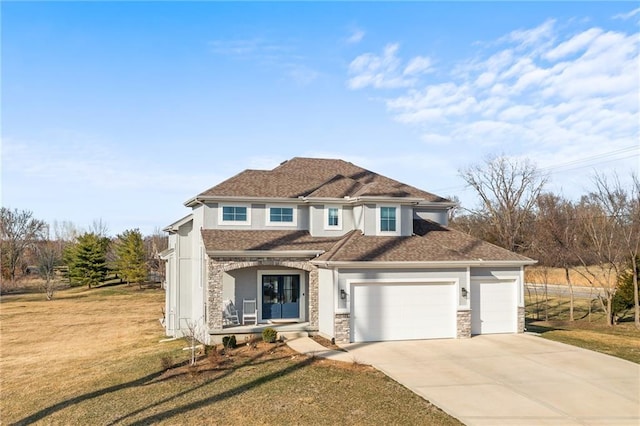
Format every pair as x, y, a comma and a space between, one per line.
265, 253
421, 264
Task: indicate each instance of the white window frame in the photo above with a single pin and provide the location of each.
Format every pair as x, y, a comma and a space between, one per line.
267, 214
328, 227
223, 222
398, 230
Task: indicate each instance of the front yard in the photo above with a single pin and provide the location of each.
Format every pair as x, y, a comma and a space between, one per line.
588, 330
94, 357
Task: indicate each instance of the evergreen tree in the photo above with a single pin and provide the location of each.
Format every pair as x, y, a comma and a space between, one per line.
87, 260
130, 257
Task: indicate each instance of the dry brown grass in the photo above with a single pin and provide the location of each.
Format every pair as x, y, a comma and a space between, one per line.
540, 274
94, 357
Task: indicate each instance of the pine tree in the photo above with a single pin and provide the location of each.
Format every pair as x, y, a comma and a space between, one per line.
87, 260
130, 261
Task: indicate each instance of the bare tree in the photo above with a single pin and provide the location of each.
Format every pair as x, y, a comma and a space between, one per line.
99, 228
601, 228
154, 244
508, 190
19, 231
49, 256
555, 235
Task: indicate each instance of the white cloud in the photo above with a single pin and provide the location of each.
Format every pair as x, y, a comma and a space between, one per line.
355, 37
628, 15
418, 65
535, 89
386, 71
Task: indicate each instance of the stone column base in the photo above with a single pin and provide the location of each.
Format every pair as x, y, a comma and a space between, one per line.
464, 324
342, 328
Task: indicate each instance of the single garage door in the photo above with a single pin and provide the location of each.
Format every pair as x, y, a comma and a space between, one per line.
402, 311
493, 307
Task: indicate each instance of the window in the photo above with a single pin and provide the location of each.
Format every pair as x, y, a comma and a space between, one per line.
234, 213
387, 219
332, 218
281, 214
332, 214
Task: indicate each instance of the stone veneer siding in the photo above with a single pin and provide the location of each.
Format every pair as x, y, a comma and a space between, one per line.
464, 324
342, 328
520, 319
217, 267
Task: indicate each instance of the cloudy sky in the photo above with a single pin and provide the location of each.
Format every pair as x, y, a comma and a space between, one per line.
122, 111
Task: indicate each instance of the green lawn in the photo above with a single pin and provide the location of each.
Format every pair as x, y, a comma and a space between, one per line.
588, 330
94, 357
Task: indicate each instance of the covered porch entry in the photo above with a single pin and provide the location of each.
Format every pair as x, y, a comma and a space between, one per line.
283, 293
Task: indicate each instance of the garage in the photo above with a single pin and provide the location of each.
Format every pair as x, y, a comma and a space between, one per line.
402, 311
493, 307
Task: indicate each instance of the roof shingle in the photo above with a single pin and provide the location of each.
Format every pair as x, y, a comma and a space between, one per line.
315, 177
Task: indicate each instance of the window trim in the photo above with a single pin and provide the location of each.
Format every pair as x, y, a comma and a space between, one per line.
223, 222
398, 210
328, 227
267, 215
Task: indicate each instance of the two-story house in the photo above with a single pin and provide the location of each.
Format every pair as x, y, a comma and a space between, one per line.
326, 246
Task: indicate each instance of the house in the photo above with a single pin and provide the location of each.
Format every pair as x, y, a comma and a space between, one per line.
325, 246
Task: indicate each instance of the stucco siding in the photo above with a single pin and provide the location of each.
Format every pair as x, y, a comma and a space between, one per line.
325, 302
439, 216
317, 221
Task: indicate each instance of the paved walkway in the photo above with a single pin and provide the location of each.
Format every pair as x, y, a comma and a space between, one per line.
308, 346
513, 379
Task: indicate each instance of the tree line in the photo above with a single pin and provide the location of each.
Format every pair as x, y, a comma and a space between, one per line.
61, 251
597, 235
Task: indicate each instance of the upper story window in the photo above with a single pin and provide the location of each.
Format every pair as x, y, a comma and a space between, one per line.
234, 215
388, 218
281, 216
332, 217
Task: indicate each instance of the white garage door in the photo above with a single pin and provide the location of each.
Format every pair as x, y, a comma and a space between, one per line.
402, 311
493, 307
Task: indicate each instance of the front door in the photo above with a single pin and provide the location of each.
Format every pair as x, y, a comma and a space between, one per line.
280, 296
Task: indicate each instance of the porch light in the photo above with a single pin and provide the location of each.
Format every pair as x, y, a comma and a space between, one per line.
343, 294
464, 292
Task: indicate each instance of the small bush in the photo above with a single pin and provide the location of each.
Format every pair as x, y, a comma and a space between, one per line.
166, 361
229, 342
269, 335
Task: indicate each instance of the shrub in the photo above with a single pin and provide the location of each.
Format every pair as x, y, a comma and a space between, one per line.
269, 335
229, 342
166, 361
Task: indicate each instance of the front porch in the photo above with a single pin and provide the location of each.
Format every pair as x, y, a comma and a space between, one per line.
285, 293
247, 332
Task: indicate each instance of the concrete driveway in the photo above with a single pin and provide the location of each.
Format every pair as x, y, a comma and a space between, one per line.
512, 379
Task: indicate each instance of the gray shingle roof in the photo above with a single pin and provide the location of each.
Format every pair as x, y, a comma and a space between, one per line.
315, 177
431, 243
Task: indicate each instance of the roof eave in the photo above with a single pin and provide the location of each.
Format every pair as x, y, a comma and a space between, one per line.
265, 253
219, 198
422, 264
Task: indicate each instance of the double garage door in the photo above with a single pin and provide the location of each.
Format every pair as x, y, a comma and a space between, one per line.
409, 311
402, 311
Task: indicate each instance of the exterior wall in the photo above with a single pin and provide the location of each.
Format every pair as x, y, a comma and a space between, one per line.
521, 323
369, 219
326, 302
317, 221
435, 215
184, 274
217, 269
342, 330
464, 324
211, 219
358, 217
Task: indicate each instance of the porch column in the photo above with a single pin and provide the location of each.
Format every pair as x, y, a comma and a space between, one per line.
215, 304
313, 298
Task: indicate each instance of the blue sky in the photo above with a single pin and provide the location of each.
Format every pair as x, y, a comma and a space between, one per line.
122, 111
